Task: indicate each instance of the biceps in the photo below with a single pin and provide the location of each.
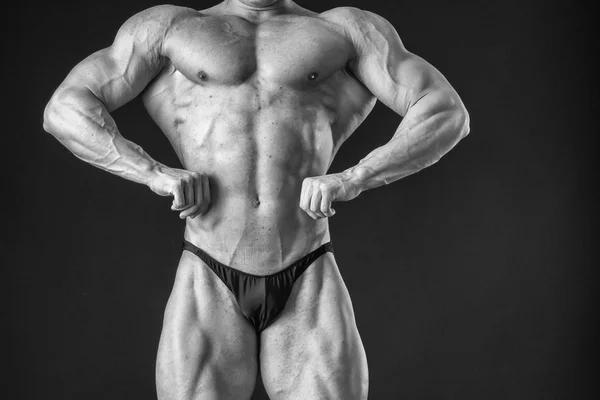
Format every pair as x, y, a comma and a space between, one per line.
398, 79
113, 77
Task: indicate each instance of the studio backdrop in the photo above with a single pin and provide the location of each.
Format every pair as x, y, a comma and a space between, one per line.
472, 279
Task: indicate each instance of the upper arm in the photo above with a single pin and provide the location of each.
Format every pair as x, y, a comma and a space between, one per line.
117, 74
397, 77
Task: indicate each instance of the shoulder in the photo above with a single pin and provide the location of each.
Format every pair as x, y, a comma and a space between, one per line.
352, 17
154, 20
344, 14
359, 25
145, 32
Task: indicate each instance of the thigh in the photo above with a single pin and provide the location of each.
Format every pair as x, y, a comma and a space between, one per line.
313, 350
207, 349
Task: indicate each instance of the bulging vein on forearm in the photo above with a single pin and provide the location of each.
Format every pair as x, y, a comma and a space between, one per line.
421, 139
86, 128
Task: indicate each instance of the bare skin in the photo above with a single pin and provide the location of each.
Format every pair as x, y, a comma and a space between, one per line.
256, 97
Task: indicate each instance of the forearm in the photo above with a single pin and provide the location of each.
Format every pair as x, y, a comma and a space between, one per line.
81, 122
430, 128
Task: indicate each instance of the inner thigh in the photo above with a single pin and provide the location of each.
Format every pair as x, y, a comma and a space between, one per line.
313, 350
207, 349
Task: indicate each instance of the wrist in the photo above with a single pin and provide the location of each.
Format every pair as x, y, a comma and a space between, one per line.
151, 172
357, 178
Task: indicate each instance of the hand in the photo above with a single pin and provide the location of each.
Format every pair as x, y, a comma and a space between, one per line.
190, 190
319, 192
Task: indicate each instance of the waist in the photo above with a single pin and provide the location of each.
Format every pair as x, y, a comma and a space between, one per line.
256, 238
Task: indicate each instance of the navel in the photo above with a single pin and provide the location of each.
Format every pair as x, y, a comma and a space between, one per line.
256, 202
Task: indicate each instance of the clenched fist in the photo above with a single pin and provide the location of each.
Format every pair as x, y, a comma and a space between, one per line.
319, 192
190, 190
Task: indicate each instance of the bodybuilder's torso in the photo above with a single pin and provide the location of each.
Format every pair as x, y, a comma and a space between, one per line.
258, 107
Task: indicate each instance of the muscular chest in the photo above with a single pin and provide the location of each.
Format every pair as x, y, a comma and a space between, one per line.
229, 50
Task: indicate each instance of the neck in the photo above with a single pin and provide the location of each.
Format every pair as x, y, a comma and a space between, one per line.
257, 7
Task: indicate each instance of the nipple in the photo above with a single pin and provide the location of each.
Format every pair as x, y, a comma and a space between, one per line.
312, 76
202, 76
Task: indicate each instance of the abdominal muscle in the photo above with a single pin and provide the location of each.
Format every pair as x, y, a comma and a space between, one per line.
256, 153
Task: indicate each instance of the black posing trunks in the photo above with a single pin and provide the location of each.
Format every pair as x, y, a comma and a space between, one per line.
260, 298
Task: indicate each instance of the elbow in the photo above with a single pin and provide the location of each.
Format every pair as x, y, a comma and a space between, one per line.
461, 118
464, 125
50, 116
54, 113
454, 113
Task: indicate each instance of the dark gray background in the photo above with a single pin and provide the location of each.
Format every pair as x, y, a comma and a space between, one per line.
473, 279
